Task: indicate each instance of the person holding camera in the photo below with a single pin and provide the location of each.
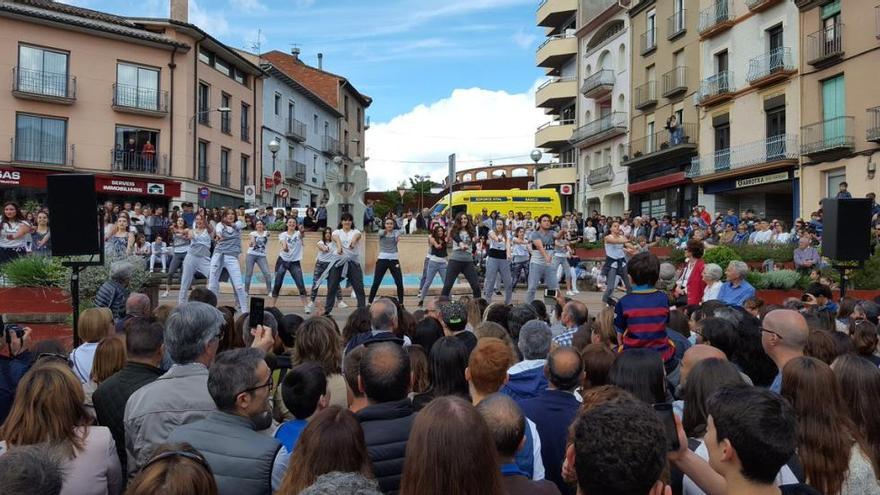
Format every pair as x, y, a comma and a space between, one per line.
13, 366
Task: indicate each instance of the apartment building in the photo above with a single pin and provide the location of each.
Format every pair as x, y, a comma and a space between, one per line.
664, 127
602, 132
147, 105
749, 108
557, 56
840, 102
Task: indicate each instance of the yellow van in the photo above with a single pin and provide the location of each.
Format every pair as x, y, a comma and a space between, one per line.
537, 201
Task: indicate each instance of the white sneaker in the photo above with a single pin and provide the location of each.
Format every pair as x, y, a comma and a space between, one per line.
342, 304
165, 294
576, 291
569, 293
309, 308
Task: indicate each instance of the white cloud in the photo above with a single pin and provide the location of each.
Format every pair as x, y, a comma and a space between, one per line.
213, 22
524, 39
249, 6
476, 124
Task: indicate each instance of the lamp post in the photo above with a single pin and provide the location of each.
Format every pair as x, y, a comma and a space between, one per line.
274, 146
536, 157
223, 110
401, 189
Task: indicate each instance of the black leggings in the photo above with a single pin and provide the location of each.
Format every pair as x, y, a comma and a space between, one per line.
381, 267
453, 269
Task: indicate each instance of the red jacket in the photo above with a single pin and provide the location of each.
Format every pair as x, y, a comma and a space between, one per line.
695, 284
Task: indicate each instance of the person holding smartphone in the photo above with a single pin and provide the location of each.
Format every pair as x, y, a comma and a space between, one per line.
289, 260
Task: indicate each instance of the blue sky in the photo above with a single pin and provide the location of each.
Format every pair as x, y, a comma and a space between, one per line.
415, 58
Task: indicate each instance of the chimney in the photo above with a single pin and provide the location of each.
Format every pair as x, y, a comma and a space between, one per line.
295, 52
180, 10
321, 61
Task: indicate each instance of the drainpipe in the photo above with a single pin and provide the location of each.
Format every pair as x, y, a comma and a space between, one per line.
195, 118
171, 66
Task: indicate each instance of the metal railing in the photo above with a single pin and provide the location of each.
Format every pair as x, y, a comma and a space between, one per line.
645, 95
824, 44
604, 77
224, 177
555, 80
779, 59
138, 161
43, 83
225, 123
607, 36
771, 149
716, 85
555, 123
600, 175
547, 166
555, 37
138, 98
873, 132
614, 120
295, 170
246, 133
649, 41
663, 140
330, 145
40, 152
595, 8
753, 4
676, 24
675, 81
296, 129
717, 13
204, 116
828, 135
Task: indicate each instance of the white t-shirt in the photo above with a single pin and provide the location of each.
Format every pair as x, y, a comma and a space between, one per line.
346, 239
590, 233
11, 228
294, 246
326, 257
259, 240
783, 477
763, 237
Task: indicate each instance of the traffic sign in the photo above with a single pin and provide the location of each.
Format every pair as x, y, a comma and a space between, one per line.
565, 189
204, 192
277, 177
267, 183
250, 194
283, 192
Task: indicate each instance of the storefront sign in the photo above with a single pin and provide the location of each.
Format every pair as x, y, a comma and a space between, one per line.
24, 177
10, 177
763, 179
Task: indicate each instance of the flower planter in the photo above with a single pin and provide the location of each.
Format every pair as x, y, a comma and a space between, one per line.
759, 265
599, 253
18, 300
777, 297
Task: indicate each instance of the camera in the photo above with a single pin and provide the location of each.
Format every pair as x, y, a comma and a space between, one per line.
11, 328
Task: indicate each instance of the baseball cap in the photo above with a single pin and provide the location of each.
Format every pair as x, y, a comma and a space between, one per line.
454, 315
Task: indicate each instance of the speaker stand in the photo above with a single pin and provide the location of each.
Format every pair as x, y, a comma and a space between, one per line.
76, 266
842, 268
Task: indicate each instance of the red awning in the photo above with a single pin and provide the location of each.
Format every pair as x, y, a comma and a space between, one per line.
657, 183
122, 185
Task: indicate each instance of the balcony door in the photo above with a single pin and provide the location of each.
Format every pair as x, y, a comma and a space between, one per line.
722, 143
774, 38
42, 71
721, 77
137, 87
833, 110
135, 149
775, 133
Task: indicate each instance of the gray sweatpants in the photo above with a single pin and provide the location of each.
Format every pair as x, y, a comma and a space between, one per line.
261, 262
433, 268
536, 274
191, 265
495, 267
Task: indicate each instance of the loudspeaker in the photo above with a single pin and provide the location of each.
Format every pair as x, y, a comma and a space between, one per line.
846, 233
73, 215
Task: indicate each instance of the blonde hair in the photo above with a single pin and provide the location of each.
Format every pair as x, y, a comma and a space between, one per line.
95, 324
604, 327
109, 358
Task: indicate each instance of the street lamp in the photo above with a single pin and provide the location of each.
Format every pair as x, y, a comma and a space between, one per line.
274, 146
401, 189
223, 110
536, 156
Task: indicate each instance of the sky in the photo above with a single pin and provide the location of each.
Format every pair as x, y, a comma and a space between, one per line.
446, 76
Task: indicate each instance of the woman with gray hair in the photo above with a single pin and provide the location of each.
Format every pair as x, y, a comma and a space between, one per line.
712, 277
114, 292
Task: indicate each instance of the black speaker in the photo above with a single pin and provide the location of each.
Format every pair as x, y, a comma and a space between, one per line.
846, 233
73, 215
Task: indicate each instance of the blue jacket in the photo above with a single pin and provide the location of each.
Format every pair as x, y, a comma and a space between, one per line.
553, 412
11, 371
525, 384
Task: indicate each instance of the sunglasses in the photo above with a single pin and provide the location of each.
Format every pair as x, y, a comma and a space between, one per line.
772, 332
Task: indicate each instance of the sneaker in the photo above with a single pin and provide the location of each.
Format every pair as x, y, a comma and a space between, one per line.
575, 291
342, 304
309, 308
165, 294
569, 293
421, 303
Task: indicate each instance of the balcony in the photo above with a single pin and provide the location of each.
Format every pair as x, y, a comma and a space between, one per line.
675, 82
294, 171
596, 12
554, 134
716, 89
761, 5
556, 50
330, 146
663, 146
41, 152
770, 153
551, 13
676, 24
825, 47
716, 18
555, 92
40, 85
246, 133
600, 175
138, 162
599, 84
556, 173
143, 101
649, 41
645, 95
601, 129
295, 130
771, 67
873, 132
829, 137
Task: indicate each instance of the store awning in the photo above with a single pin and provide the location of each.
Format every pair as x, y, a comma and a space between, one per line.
658, 183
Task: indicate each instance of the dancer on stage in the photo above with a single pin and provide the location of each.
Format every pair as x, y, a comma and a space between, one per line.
437, 245
326, 255
226, 252
388, 260
290, 260
498, 262
541, 264
347, 263
256, 255
198, 257
519, 253
462, 237
179, 247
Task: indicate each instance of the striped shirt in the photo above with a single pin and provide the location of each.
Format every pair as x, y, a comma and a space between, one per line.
642, 317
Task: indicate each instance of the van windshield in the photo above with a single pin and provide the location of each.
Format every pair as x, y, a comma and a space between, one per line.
438, 208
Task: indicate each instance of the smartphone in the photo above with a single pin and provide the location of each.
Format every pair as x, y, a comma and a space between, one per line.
667, 417
255, 318
550, 293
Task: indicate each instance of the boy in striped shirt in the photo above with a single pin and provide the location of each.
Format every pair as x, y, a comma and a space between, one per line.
641, 316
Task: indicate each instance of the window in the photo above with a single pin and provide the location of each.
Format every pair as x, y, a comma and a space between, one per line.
204, 104
224, 167
651, 32
40, 139
41, 71
315, 123
326, 128
245, 122
244, 170
277, 106
222, 66
346, 108
136, 149
345, 146
833, 110
240, 77
226, 117
649, 135
775, 133
833, 178
137, 87
359, 123
314, 164
722, 77
722, 142
202, 174
206, 57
